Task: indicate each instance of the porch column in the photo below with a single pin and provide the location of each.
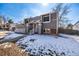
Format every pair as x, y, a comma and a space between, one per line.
57, 22
39, 28
33, 30
27, 25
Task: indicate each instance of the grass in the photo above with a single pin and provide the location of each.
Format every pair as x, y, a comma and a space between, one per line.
11, 49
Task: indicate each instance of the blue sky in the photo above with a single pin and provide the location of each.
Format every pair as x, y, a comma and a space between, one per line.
19, 11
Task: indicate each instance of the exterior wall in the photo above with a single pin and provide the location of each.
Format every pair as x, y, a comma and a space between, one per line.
5, 26
1, 20
12, 27
53, 22
34, 28
52, 25
36, 21
20, 28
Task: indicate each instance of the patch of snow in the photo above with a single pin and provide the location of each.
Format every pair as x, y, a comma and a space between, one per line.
11, 37
49, 45
75, 37
2, 37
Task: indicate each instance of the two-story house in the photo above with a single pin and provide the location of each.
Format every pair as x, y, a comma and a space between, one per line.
43, 24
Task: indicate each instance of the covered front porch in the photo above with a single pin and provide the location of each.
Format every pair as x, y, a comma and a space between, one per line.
33, 28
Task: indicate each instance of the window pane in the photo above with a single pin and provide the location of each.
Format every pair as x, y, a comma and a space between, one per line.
46, 18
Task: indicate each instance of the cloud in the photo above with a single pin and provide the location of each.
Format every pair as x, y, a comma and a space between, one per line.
30, 13
36, 12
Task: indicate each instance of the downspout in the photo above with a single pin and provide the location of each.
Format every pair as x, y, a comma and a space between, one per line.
41, 25
57, 25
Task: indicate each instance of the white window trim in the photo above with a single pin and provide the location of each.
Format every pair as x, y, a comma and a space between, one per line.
49, 19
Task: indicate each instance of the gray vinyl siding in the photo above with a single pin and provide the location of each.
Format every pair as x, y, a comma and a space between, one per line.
34, 19
52, 24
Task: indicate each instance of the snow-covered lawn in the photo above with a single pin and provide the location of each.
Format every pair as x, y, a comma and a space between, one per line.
11, 36
44, 44
49, 45
75, 37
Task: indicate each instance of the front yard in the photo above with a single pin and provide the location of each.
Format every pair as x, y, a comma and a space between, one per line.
42, 45
49, 45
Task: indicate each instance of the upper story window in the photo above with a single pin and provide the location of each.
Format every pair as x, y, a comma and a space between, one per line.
45, 18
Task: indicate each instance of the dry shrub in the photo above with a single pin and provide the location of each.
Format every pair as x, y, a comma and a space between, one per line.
68, 31
11, 49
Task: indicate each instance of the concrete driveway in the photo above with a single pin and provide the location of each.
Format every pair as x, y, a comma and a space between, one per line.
3, 34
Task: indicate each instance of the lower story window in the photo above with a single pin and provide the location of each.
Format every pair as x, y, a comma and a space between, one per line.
46, 30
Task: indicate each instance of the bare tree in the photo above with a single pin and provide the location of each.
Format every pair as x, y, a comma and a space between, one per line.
63, 10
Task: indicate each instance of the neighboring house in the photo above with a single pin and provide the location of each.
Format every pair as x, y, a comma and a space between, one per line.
76, 26
12, 27
3, 25
1, 21
70, 26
